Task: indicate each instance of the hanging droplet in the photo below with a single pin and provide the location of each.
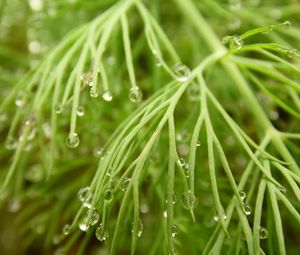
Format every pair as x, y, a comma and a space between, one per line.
80, 111
125, 184
10, 143
58, 108
94, 92
242, 195
181, 72
181, 162
174, 230
247, 209
98, 152
100, 233
286, 24
84, 194
193, 92
198, 144
216, 217
72, 141
94, 218
108, 194
66, 229
183, 136
107, 96
235, 42
135, 94
263, 233
140, 228
189, 200
165, 214
83, 225
187, 170
20, 99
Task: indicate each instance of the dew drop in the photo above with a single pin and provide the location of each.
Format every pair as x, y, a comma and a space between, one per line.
140, 228
80, 111
216, 217
125, 184
263, 233
84, 194
181, 162
100, 233
135, 94
181, 72
94, 92
242, 195
189, 200
183, 136
108, 194
286, 24
94, 218
98, 152
107, 96
83, 225
58, 108
165, 214
20, 99
193, 92
174, 230
66, 229
72, 141
247, 209
198, 144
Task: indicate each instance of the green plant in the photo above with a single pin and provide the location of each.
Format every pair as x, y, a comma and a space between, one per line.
194, 158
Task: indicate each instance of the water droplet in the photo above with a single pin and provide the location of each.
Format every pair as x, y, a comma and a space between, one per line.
107, 96
140, 228
35, 174
125, 184
84, 194
80, 111
247, 209
183, 136
94, 218
174, 230
14, 205
144, 208
235, 42
216, 217
20, 99
174, 199
263, 233
198, 144
286, 24
66, 229
72, 141
194, 92
93, 92
181, 162
100, 233
135, 94
189, 200
165, 214
242, 195
181, 72
83, 225
98, 152
10, 143
58, 108
108, 194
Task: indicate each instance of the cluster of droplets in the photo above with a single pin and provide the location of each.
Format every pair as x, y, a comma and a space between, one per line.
135, 94
246, 207
235, 42
181, 72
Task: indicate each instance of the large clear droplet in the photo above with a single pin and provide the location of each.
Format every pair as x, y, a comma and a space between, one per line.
107, 96
100, 233
80, 111
84, 194
83, 225
189, 200
181, 72
216, 217
94, 218
72, 141
58, 108
235, 42
135, 94
247, 209
263, 233
108, 194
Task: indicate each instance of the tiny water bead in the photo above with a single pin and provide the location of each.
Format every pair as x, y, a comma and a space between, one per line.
80, 111
66, 229
242, 195
247, 209
20, 99
235, 42
125, 184
198, 144
263, 233
183, 149
139, 230
108, 194
216, 217
94, 218
84, 194
286, 24
135, 94
98, 152
84, 225
174, 230
181, 162
100, 233
189, 200
107, 96
181, 72
58, 108
72, 141
194, 92
94, 92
